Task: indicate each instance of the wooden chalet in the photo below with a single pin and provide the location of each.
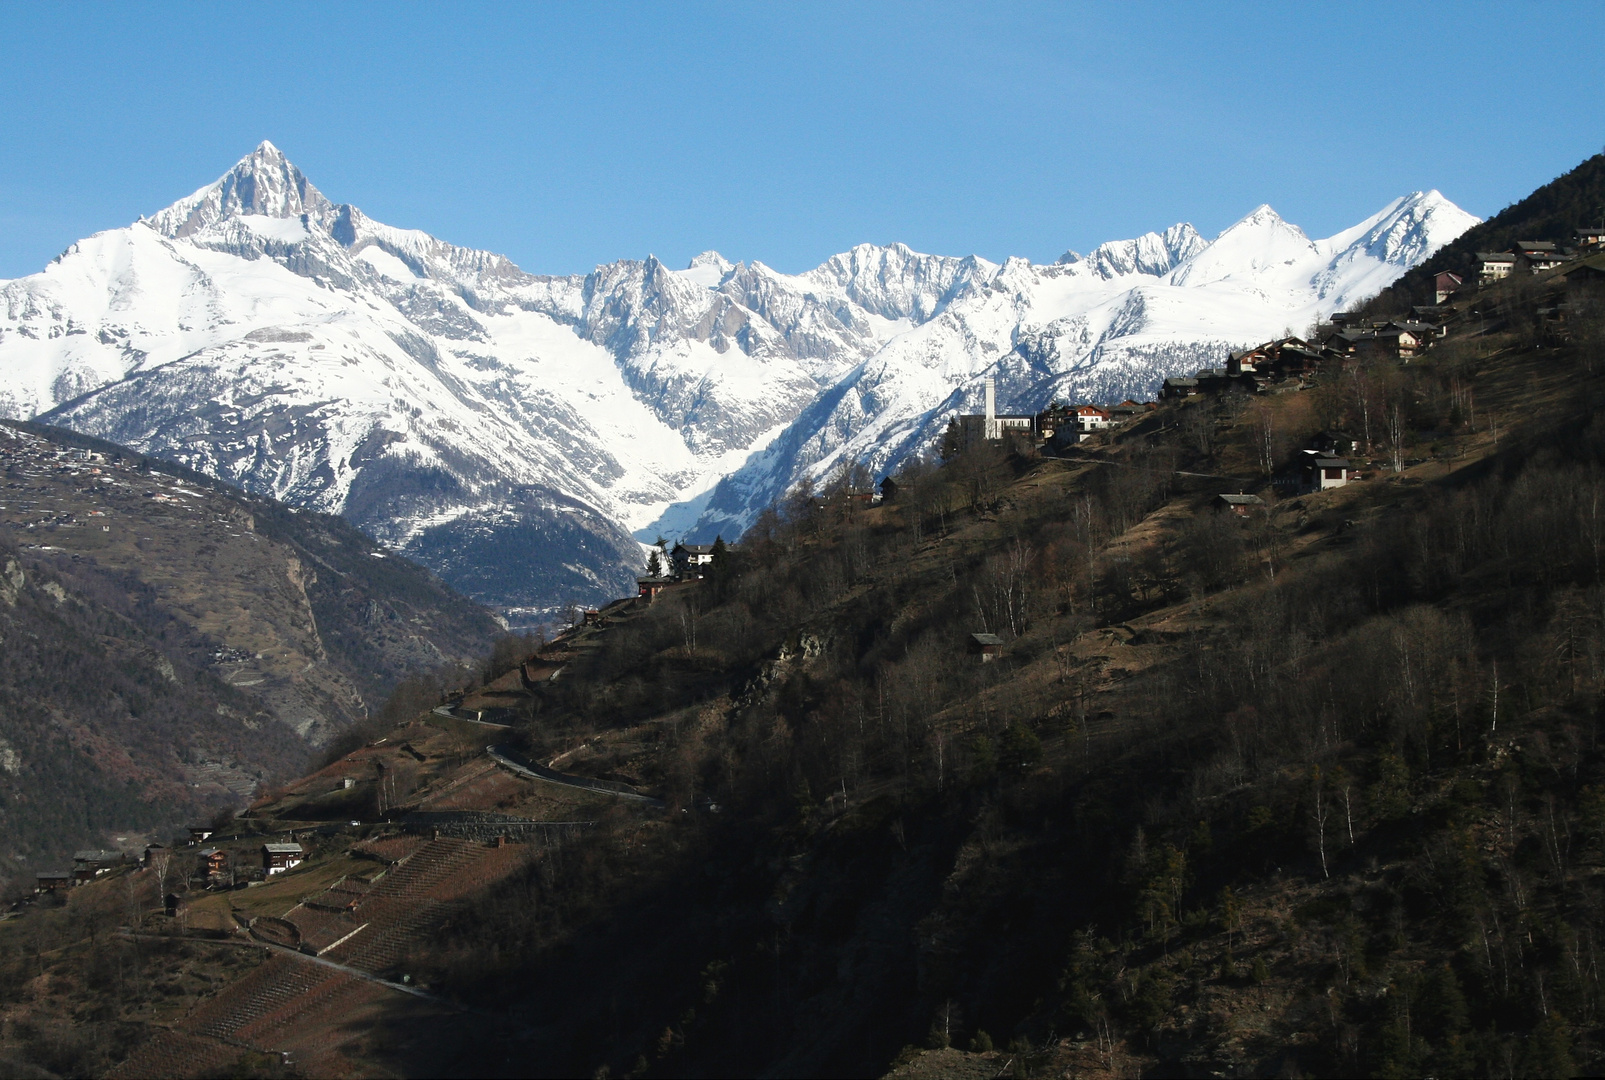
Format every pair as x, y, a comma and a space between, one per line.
1590, 238
987, 646
1317, 471
1444, 285
1533, 256
213, 860
1241, 505
50, 880
277, 858
648, 588
1055, 418
1292, 360
1404, 340
1285, 358
1064, 425
88, 865
1245, 360
199, 833
1349, 342
1177, 388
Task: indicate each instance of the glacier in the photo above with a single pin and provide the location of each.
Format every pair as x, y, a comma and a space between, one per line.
521, 434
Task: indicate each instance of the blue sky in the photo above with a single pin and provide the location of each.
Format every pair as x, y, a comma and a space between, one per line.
568, 135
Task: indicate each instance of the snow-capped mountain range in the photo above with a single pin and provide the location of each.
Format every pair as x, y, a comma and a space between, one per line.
512, 431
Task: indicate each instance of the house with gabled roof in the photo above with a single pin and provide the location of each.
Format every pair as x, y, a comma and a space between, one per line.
51, 880
1495, 265
648, 588
1537, 256
1334, 443
1057, 416
987, 646
1404, 339
1241, 505
277, 858
1090, 418
1348, 342
1315, 470
1240, 360
1178, 387
690, 560
88, 865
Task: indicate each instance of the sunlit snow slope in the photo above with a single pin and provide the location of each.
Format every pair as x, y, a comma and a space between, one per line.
512, 431
1101, 328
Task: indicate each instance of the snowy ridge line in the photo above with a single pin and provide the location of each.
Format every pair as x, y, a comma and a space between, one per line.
519, 434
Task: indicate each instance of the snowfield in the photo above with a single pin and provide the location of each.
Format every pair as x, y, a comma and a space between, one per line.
520, 433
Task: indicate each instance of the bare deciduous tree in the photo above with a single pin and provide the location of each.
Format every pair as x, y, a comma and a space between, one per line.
1322, 811
1265, 438
1362, 390
161, 864
1004, 590
1396, 434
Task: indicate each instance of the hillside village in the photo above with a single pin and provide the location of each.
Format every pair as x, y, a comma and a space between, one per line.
904, 701
1345, 347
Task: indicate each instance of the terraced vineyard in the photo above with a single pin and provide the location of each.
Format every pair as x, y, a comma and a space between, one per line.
488, 786
297, 1005
409, 900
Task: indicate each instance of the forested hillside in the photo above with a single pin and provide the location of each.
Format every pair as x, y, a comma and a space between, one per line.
1317, 789
1312, 789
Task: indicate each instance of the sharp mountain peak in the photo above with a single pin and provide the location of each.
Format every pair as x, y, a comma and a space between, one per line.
451, 404
263, 182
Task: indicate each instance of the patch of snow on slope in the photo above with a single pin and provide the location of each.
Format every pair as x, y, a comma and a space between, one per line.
284, 230
386, 264
707, 270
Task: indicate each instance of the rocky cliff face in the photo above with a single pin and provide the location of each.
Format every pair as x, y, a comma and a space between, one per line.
513, 430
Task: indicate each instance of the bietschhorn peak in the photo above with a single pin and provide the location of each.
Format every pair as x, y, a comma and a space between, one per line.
263, 182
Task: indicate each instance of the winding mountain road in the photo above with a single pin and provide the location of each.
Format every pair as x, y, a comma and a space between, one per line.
516, 764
